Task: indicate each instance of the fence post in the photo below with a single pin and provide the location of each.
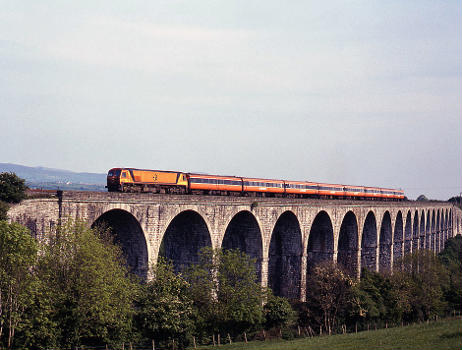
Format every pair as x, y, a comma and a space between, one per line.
153, 345
194, 342
245, 337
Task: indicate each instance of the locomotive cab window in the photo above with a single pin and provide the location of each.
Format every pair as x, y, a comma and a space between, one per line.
114, 173
124, 174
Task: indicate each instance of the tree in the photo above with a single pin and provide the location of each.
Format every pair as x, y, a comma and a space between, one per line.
4, 207
451, 258
227, 297
165, 308
12, 188
428, 279
331, 289
18, 253
456, 200
84, 288
278, 312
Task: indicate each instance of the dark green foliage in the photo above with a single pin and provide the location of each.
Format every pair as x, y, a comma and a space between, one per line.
451, 258
12, 188
452, 251
18, 254
374, 294
227, 298
165, 309
456, 200
278, 312
427, 280
83, 294
330, 289
4, 207
414, 292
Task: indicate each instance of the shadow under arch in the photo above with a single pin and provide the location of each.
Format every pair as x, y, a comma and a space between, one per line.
369, 243
398, 237
243, 233
408, 239
184, 237
347, 255
422, 231
321, 241
285, 252
129, 235
415, 232
385, 243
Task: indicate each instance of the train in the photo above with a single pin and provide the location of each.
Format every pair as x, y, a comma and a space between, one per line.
177, 182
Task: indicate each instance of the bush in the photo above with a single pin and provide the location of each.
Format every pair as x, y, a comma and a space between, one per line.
4, 207
12, 188
278, 312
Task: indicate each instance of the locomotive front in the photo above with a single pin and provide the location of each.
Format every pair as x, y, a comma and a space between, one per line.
113, 179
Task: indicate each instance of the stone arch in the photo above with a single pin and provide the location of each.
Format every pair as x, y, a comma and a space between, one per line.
385, 241
347, 255
243, 233
129, 235
428, 231
432, 232
398, 237
438, 231
369, 243
445, 222
186, 234
443, 229
408, 234
321, 241
415, 232
422, 230
285, 253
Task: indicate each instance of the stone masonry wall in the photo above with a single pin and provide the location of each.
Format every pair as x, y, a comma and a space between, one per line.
211, 216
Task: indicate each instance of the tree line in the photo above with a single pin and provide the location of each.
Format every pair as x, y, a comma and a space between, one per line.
74, 289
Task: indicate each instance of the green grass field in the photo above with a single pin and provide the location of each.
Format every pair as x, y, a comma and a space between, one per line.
446, 334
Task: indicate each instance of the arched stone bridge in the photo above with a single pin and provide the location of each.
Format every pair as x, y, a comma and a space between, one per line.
285, 236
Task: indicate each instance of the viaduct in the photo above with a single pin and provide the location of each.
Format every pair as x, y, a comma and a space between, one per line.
285, 236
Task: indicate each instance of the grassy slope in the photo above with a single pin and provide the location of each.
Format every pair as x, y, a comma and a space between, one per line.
446, 334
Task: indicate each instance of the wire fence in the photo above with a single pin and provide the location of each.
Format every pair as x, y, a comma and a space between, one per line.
217, 340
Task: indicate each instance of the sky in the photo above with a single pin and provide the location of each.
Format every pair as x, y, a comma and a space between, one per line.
350, 92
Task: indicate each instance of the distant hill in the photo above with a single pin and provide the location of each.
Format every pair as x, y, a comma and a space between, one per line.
48, 178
